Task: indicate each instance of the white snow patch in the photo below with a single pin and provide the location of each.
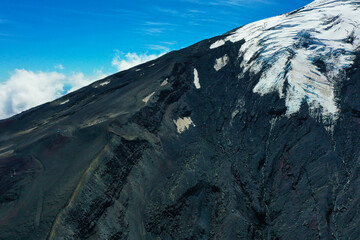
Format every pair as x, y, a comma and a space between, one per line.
64, 102
272, 123
152, 65
196, 79
104, 83
287, 47
221, 62
164, 82
139, 69
330, 128
217, 44
184, 124
147, 98
236, 112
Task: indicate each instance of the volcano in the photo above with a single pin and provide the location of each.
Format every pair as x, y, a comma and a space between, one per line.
254, 134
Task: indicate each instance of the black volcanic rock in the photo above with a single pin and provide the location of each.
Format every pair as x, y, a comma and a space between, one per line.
192, 146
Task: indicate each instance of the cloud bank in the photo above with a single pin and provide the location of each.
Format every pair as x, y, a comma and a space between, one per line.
26, 89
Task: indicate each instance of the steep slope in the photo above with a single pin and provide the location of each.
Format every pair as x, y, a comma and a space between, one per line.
250, 135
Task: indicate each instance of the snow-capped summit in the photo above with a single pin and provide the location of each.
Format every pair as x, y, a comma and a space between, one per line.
302, 55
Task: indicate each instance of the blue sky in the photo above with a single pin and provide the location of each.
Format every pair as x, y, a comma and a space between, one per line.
86, 39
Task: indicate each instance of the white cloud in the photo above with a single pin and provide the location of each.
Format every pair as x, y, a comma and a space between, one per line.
60, 67
168, 11
154, 31
170, 43
148, 23
240, 3
159, 47
27, 89
231, 3
79, 80
129, 60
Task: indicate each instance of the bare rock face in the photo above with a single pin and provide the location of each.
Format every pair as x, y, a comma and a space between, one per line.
250, 135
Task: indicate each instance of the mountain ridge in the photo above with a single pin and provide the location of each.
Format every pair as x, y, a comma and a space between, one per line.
182, 147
